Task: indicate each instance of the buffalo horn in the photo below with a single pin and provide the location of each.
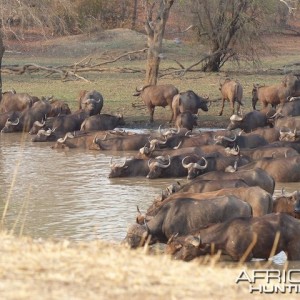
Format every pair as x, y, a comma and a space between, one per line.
194, 240
198, 166
187, 166
161, 164
236, 118
67, 135
13, 123
177, 147
40, 124
229, 139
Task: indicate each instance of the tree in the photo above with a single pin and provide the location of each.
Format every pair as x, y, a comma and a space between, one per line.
157, 14
2, 49
230, 27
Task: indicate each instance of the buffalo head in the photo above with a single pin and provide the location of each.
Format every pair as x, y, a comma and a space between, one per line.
136, 236
194, 168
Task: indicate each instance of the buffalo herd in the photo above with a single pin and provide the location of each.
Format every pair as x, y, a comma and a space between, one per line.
227, 204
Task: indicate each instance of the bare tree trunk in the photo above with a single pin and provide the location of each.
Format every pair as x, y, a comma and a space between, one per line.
2, 49
134, 15
155, 28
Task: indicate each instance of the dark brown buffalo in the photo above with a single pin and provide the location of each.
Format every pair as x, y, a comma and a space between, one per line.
273, 94
232, 91
102, 122
170, 166
291, 108
201, 186
182, 141
185, 215
129, 168
250, 121
292, 82
63, 124
6, 116
39, 125
252, 177
188, 101
78, 139
289, 204
90, 101
145, 153
282, 169
242, 141
122, 143
58, 107
260, 200
157, 95
212, 163
27, 117
186, 120
269, 134
242, 239
264, 152
12, 101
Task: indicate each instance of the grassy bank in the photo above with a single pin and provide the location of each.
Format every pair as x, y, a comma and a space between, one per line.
117, 88
34, 269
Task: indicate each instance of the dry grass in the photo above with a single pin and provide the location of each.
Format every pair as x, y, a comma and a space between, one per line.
33, 269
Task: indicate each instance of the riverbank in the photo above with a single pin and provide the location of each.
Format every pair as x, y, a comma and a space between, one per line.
36, 269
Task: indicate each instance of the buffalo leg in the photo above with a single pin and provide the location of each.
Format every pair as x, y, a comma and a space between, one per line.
172, 115
151, 111
221, 111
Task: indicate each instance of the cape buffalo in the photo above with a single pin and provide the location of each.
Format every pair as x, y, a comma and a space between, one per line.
188, 101
248, 122
185, 215
273, 94
90, 101
242, 239
102, 122
231, 91
157, 95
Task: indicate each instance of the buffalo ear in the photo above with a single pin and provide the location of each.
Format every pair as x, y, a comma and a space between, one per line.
194, 240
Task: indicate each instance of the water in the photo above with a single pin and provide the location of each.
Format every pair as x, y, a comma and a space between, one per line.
67, 194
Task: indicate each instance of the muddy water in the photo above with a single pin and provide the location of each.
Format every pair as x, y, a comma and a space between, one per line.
59, 194
67, 194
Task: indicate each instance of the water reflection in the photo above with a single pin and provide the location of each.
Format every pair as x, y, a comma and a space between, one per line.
61, 194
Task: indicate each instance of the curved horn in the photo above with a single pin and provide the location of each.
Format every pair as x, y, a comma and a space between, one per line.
177, 147
200, 167
161, 165
189, 165
13, 123
97, 101
236, 118
229, 139
40, 124
67, 135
